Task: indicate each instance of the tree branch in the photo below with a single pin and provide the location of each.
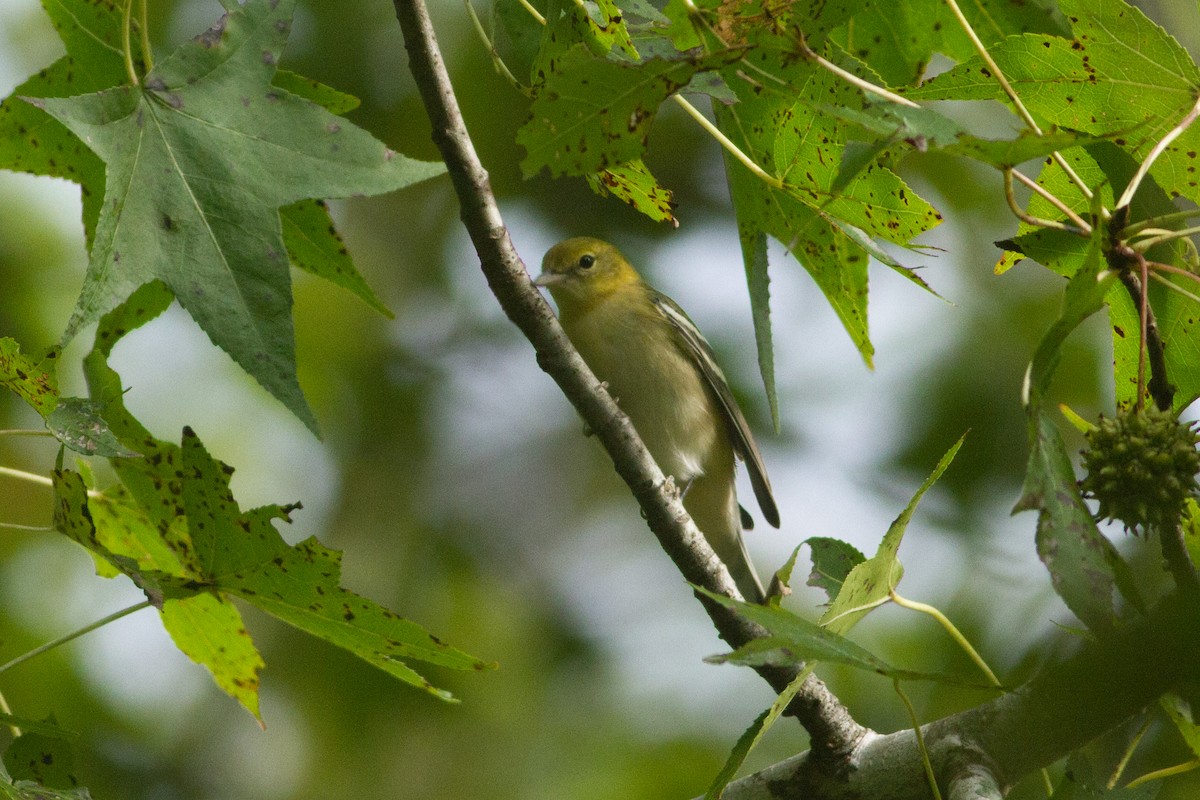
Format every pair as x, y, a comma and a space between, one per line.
992, 746
833, 732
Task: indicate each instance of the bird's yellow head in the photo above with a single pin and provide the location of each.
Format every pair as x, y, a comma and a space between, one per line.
581, 272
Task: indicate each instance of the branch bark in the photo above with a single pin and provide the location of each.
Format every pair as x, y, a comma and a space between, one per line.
832, 731
988, 748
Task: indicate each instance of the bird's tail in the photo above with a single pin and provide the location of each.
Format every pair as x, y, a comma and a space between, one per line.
712, 502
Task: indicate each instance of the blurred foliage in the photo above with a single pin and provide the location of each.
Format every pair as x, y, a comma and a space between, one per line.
460, 491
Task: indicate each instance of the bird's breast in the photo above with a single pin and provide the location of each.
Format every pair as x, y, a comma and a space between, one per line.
655, 383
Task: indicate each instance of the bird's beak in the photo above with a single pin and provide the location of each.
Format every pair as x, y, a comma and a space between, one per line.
547, 279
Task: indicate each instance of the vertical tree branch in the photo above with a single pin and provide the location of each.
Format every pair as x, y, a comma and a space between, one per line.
834, 733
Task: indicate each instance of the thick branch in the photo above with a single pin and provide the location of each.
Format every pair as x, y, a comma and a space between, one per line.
833, 732
999, 742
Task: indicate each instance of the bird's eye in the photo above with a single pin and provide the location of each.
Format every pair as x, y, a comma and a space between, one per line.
586, 261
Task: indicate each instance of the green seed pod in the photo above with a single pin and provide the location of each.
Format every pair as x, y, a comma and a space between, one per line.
1141, 468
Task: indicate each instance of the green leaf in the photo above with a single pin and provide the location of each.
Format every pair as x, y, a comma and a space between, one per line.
1086, 781
871, 582
753, 735
610, 28
758, 280
314, 245
35, 382
1180, 715
210, 110
208, 629
829, 232
898, 39
32, 141
47, 727
28, 790
79, 424
593, 114
633, 184
326, 97
1119, 73
832, 561
795, 642
44, 759
1077, 555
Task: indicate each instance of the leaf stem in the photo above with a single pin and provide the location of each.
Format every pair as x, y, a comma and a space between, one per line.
1127, 755
1158, 222
1155, 152
497, 62
26, 476
1165, 772
725, 142
126, 45
912, 715
39, 479
37, 651
13, 526
954, 632
1084, 227
144, 33
861, 83
25, 432
533, 11
1029, 219
1022, 111
1145, 244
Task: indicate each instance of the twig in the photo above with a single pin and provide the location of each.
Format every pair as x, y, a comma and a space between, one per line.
1152, 346
832, 730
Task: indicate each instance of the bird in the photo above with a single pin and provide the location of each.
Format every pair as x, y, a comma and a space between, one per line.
663, 374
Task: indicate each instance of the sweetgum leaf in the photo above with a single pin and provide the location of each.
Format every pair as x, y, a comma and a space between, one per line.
898, 39
31, 140
210, 110
592, 113
1080, 559
79, 424
45, 759
34, 381
826, 226
314, 245
208, 629
870, 582
832, 561
1119, 72
633, 184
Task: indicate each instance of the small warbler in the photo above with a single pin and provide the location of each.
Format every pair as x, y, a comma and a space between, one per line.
662, 373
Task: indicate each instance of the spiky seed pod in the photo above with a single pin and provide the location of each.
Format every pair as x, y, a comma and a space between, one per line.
1141, 468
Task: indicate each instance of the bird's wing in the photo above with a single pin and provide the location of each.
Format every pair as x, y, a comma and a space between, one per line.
701, 353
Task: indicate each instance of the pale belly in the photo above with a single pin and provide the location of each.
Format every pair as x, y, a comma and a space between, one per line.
669, 405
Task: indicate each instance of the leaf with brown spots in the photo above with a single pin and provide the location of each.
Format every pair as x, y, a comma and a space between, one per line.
633, 184
1120, 73
35, 382
592, 113
199, 159
33, 141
